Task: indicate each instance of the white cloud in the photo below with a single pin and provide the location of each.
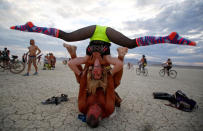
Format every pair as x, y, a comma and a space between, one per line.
189, 63
186, 51
139, 56
161, 17
55, 53
132, 55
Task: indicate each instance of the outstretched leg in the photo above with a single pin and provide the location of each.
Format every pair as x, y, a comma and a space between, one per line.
117, 77
72, 51
113, 35
80, 34
172, 38
121, 54
122, 40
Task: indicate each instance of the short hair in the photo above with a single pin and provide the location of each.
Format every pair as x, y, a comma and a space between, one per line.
92, 121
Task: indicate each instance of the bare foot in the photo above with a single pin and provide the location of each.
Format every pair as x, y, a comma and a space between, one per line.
122, 51
71, 48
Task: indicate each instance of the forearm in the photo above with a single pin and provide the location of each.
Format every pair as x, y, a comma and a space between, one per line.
82, 97
110, 97
39, 51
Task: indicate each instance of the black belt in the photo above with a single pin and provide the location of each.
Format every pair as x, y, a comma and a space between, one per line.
99, 42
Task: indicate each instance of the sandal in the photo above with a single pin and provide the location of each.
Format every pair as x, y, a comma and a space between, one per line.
52, 100
56, 100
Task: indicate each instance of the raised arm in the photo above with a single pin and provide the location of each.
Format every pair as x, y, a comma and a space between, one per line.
110, 97
82, 97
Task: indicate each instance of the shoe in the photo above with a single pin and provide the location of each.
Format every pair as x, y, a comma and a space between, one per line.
27, 74
162, 95
52, 100
63, 97
82, 117
56, 100
36, 73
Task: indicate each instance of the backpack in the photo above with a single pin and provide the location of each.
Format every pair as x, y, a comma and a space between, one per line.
180, 101
145, 60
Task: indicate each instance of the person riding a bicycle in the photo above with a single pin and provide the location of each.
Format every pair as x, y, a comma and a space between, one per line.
168, 65
142, 63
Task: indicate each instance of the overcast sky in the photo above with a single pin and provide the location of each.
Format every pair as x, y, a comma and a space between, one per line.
134, 18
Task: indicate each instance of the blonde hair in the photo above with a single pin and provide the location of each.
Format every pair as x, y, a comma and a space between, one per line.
93, 84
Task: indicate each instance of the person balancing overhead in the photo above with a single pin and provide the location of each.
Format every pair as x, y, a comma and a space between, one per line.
102, 36
112, 35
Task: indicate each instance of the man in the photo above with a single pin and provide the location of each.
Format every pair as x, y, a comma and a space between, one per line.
168, 65
142, 63
101, 104
52, 60
32, 53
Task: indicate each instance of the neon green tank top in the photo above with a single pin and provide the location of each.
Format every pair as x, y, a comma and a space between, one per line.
100, 34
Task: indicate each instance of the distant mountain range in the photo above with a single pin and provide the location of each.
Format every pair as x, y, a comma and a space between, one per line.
135, 61
149, 63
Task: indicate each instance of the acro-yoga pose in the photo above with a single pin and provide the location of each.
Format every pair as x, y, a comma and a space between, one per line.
100, 38
96, 106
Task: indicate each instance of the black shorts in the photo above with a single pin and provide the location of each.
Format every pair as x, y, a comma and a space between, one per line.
5, 58
168, 67
98, 46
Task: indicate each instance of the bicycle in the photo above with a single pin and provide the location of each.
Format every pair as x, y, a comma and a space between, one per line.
171, 73
14, 65
144, 71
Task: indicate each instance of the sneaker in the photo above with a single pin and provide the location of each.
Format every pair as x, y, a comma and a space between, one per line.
36, 73
27, 74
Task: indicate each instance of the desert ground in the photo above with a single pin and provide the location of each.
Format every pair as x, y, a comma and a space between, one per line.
21, 97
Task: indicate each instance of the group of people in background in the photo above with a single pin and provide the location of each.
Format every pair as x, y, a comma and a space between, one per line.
33, 56
5, 56
49, 61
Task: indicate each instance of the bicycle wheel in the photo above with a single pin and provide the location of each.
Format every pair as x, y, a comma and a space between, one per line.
145, 72
172, 74
138, 71
17, 67
162, 72
2, 68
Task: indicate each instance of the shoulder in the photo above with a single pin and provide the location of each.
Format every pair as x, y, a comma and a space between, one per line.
36, 47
